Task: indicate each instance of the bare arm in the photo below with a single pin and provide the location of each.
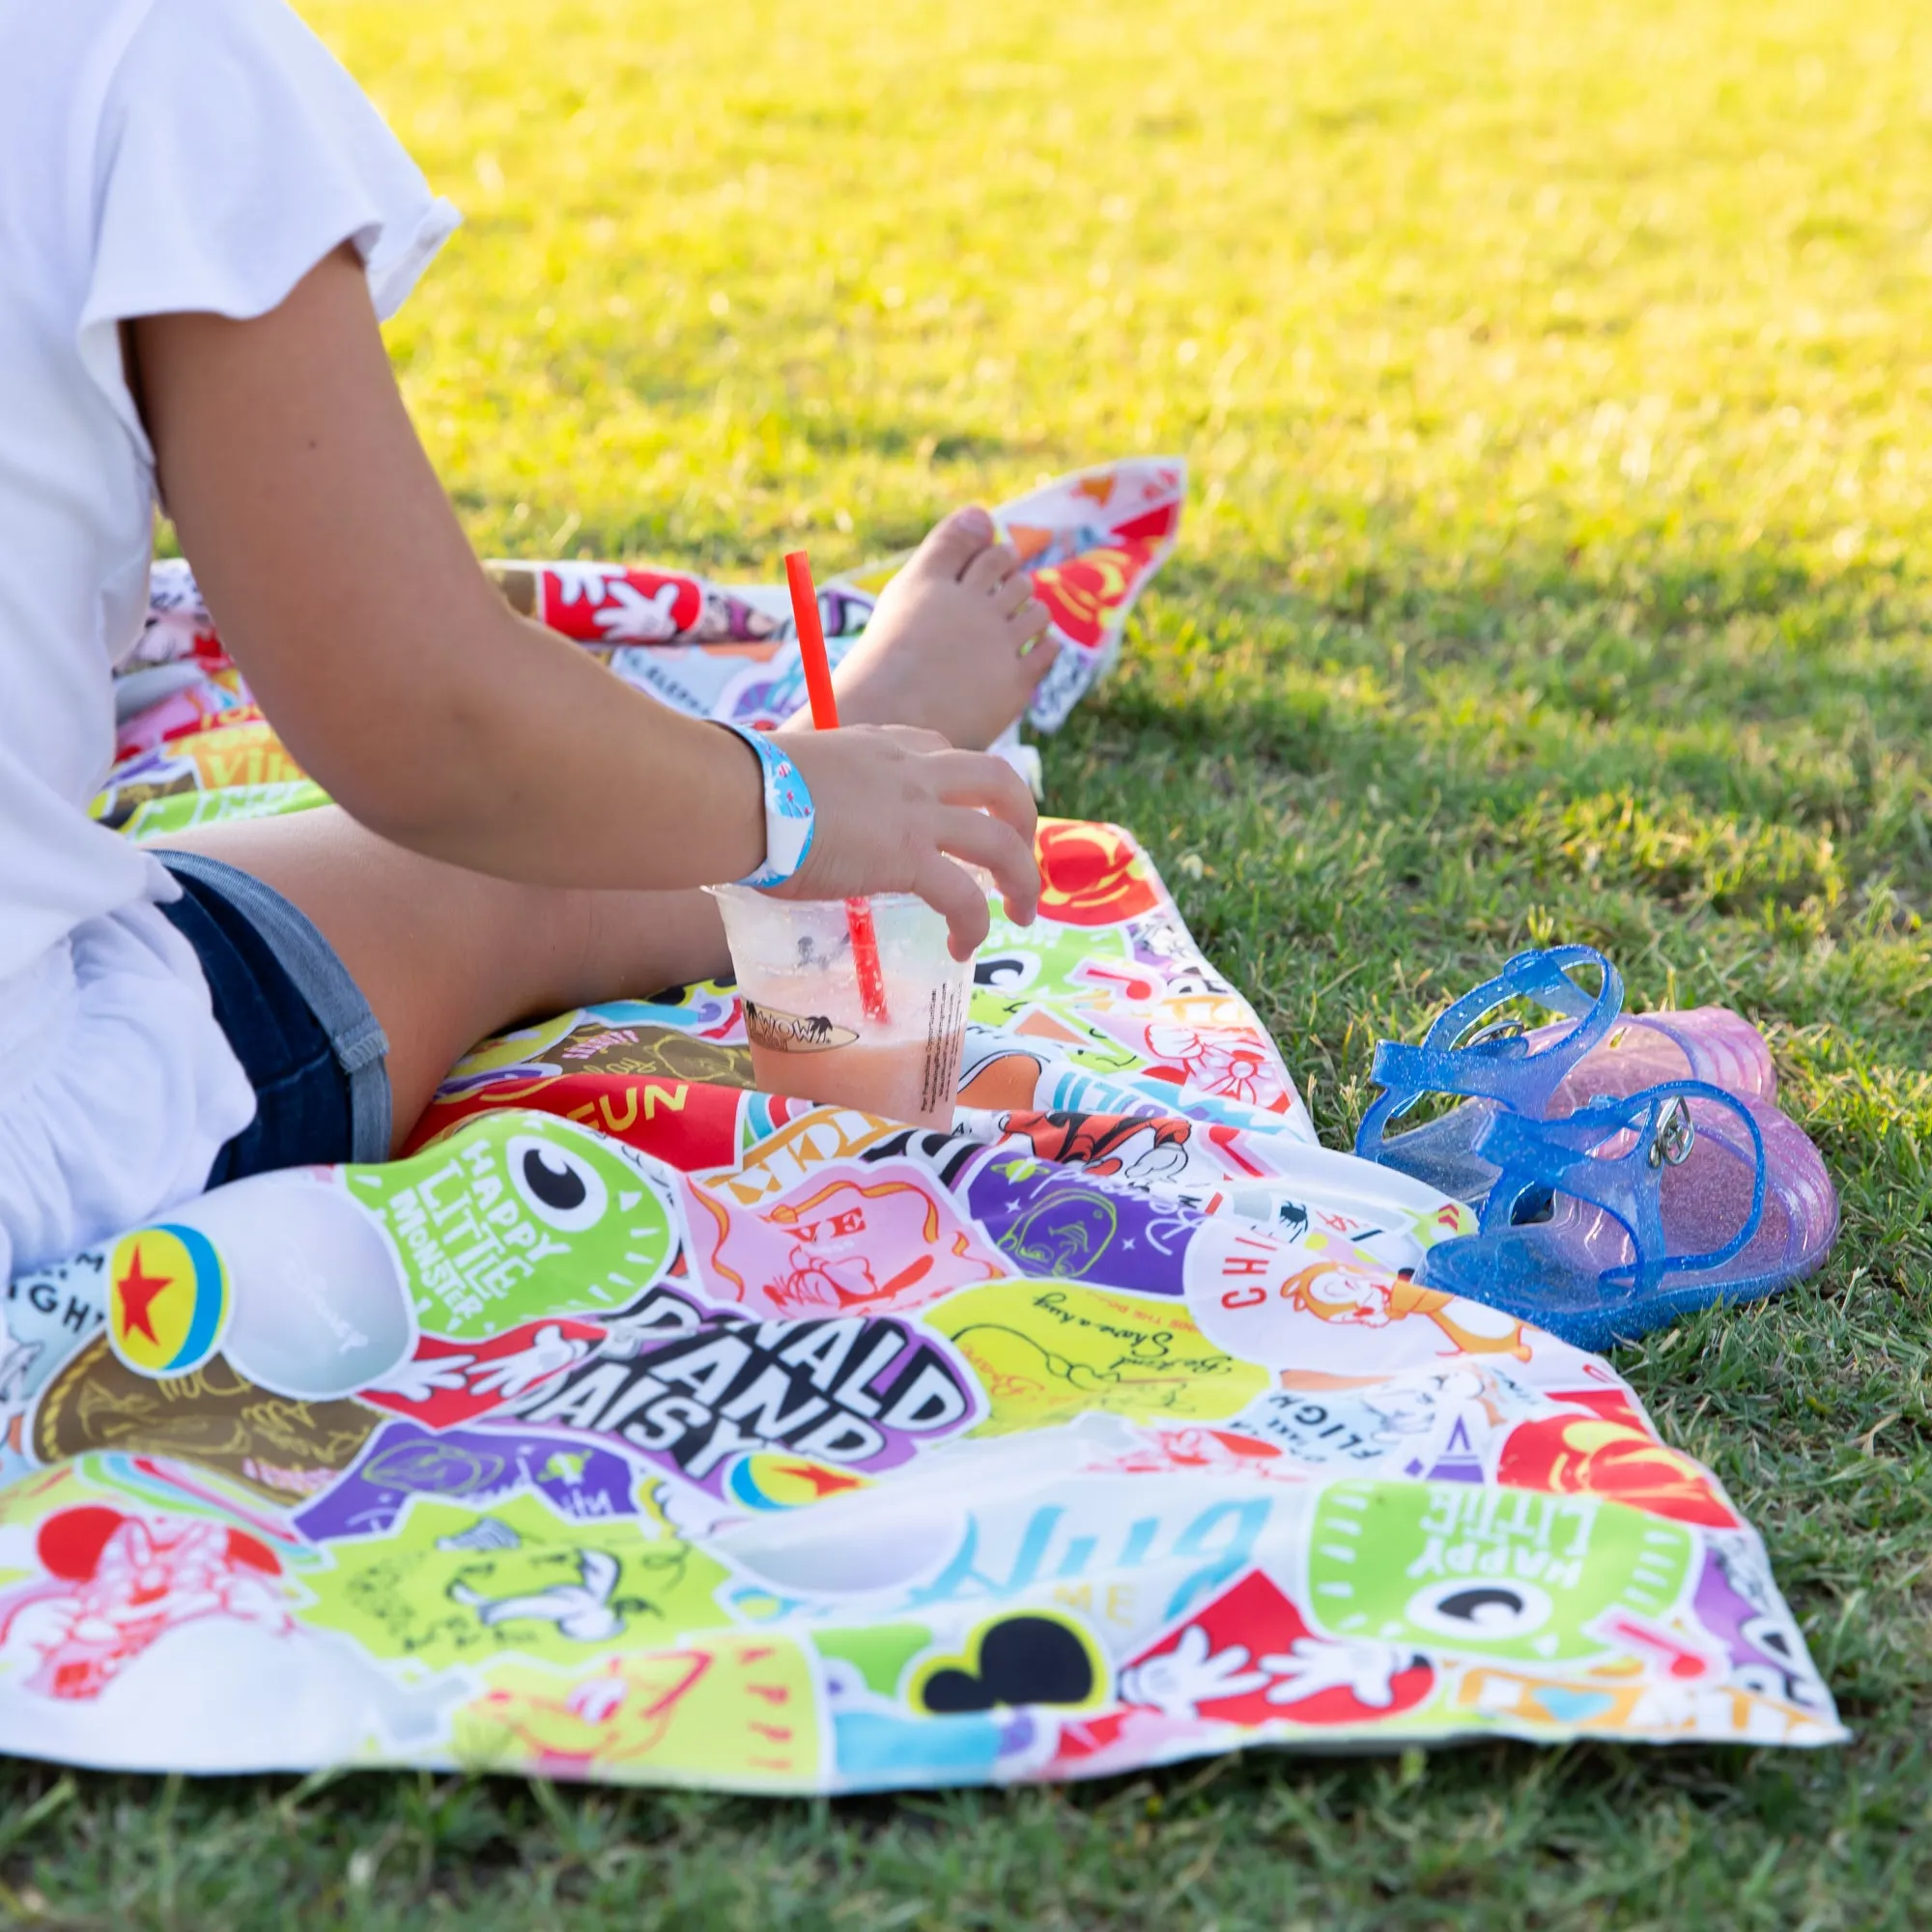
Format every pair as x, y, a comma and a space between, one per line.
347, 592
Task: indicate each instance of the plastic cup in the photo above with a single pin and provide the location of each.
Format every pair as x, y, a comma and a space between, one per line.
804, 1017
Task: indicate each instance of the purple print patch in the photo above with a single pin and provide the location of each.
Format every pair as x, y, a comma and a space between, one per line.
402, 1459
1065, 1226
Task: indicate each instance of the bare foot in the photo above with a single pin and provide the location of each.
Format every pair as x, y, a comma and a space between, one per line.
948, 646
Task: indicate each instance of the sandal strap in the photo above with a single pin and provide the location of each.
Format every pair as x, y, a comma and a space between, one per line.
1500, 1066
1566, 1156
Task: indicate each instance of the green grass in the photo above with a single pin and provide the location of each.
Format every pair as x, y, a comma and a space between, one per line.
1553, 382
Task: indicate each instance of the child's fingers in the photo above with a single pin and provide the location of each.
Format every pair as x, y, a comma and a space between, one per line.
991, 843
977, 778
956, 896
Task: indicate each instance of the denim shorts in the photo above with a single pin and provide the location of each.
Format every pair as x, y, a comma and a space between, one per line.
298, 1023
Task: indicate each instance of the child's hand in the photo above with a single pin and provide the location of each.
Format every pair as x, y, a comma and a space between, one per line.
892, 803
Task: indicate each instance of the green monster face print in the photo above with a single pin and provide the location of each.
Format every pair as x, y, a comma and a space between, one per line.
1502, 1573
519, 1215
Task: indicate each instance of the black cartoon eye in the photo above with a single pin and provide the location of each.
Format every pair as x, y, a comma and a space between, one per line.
1006, 972
1480, 1609
558, 1185
561, 1187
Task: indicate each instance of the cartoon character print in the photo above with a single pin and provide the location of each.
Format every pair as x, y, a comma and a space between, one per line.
213, 699
1201, 1450
1054, 1221
1013, 1659
144, 782
725, 1708
114, 1583
1181, 1032
997, 1070
1225, 1055
1738, 1605
445, 1385
1125, 1001
1168, 963
1143, 1151
1497, 1573
1610, 1450
844, 1239
1092, 874
1685, 1692
46, 1318
878, 1745
1250, 1658
1045, 982
532, 1556
178, 624
649, 1041
1433, 1426
448, 1582
1334, 1293
613, 604
1088, 594
728, 619
1166, 1153
519, 1215
1052, 1351
910, 1708
1303, 1306
282, 1449
585, 1482
1387, 1243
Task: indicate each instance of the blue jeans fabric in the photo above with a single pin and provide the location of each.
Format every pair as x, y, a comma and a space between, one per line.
298, 1023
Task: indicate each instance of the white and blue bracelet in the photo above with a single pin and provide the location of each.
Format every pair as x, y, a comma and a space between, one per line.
790, 818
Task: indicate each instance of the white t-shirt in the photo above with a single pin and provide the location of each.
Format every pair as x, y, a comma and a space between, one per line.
155, 156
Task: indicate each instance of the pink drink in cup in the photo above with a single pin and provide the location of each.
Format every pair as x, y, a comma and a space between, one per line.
806, 1015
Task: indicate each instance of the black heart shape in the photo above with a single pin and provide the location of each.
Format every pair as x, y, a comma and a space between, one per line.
1022, 1660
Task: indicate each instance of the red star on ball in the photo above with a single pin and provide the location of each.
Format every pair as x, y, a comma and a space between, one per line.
824, 1482
137, 1293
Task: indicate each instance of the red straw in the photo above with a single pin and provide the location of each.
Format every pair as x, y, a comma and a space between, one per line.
825, 718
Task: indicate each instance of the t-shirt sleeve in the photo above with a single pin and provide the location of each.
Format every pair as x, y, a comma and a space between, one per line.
235, 153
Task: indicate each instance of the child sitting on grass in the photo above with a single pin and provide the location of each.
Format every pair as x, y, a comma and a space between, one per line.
201, 219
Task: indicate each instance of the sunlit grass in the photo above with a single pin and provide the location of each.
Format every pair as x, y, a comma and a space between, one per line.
1554, 383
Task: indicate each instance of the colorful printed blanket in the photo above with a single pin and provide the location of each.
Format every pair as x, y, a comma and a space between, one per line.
637, 1424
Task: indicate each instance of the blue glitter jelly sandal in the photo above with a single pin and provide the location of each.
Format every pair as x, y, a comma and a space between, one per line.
1632, 1211
1495, 1064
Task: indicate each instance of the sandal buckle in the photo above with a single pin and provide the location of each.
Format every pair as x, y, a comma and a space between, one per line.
1674, 1135
1503, 1029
